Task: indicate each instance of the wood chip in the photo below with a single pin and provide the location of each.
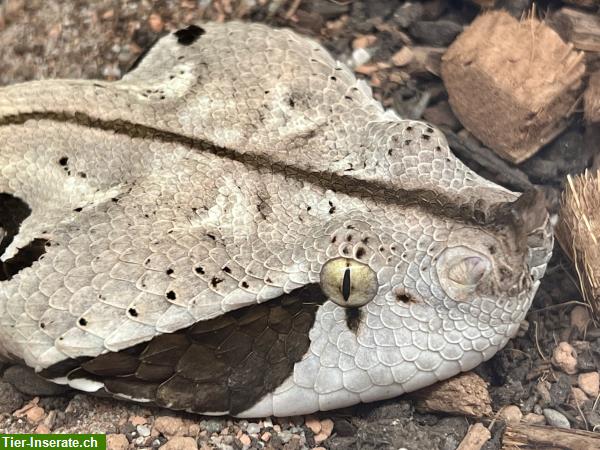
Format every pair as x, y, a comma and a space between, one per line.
530, 437
580, 28
403, 57
591, 99
465, 394
512, 101
476, 437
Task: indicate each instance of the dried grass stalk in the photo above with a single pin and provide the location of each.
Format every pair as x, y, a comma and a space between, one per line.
578, 232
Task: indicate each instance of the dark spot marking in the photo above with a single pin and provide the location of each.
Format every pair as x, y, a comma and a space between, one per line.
390, 151
409, 128
245, 285
78, 209
407, 142
171, 295
360, 252
345, 251
365, 240
215, 281
132, 312
187, 36
63, 161
349, 238
199, 270
226, 269
333, 239
268, 280
426, 137
429, 130
353, 318
308, 208
212, 236
291, 102
169, 271
492, 249
82, 322
404, 298
42, 325
332, 78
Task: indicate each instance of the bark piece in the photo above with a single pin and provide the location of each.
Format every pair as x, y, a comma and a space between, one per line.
512, 84
475, 438
465, 394
578, 232
524, 437
591, 99
579, 27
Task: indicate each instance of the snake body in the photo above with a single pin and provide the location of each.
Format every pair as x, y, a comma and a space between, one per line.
238, 227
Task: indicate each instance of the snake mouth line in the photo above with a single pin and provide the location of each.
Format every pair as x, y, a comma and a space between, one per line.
434, 203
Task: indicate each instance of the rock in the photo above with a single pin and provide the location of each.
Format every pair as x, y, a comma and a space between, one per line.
170, 426
325, 432
10, 398
589, 383
156, 23
28, 382
402, 57
245, 440
577, 399
180, 443
360, 57
408, 13
510, 414
364, 41
116, 442
439, 33
137, 420
143, 430
313, 423
564, 357
42, 429
497, 90
534, 419
464, 394
580, 318
556, 419
214, 426
265, 437
253, 428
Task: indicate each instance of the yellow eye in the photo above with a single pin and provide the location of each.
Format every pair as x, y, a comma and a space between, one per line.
348, 283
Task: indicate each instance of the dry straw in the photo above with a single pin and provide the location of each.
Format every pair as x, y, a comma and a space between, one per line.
578, 232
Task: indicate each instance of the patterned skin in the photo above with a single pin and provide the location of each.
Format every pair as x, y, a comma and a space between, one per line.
226, 170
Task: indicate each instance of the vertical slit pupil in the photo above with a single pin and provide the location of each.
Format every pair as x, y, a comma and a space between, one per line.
346, 284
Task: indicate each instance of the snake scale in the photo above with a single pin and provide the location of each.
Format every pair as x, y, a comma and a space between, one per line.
237, 227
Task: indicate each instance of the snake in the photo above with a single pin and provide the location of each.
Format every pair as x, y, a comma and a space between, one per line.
238, 227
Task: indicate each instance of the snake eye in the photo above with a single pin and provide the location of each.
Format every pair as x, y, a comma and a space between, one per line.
348, 283
468, 271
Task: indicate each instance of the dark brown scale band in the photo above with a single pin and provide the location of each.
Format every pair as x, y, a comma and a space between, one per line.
225, 364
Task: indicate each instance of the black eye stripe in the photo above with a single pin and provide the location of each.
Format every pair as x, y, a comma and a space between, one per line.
346, 285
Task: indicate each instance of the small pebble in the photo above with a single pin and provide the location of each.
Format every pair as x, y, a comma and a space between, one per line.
116, 442
565, 358
266, 436
326, 429
403, 57
143, 430
156, 23
42, 429
180, 443
360, 56
214, 426
137, 420
170, 426
534, 419
364, 41
511, 414
313, 424
580, 318
556, 419
589, 383
245, 440
578, 397
253, 428
285, 436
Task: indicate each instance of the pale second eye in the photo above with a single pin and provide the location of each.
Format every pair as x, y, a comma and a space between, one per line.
348, 283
